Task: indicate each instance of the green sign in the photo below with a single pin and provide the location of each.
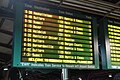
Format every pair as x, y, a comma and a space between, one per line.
111, 43
54, 37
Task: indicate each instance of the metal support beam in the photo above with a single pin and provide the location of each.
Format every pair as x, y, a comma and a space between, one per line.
4, 57
6, 32
1, 22
105, 3
90, 6
6, 45
10, 41
11, 2
118, 3
61, 2
6, 13
64, 74
112, 10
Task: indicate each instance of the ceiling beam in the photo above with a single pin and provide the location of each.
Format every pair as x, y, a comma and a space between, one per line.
10, 41
4, 57
116, 6
5, 45
11, 2
1, 22
118, 3
2, 62
112, 10
6, 32
90, 6
6, 12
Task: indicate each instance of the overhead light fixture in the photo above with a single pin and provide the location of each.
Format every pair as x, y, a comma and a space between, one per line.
109, 75
79, 78
5, 69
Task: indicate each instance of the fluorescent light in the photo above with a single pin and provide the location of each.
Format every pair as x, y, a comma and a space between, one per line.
5, 69
80, 78
109, 75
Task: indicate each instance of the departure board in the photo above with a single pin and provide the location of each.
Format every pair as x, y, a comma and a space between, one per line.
113, 43
54, 37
